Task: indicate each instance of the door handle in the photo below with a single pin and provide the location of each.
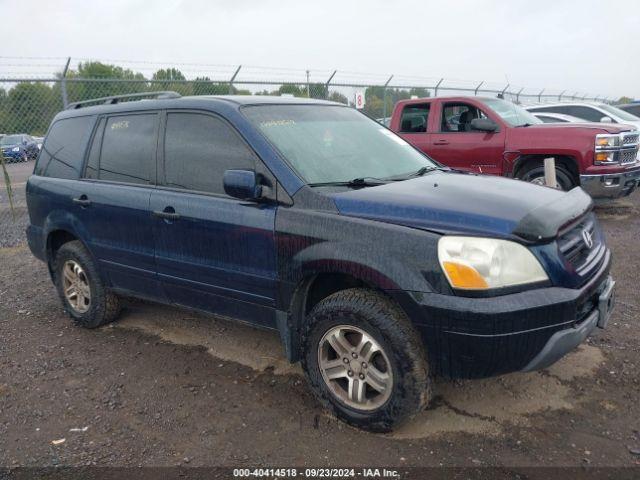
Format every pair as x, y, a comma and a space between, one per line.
167, 215
441, 142
82, 200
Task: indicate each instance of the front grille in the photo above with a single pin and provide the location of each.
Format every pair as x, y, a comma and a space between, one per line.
630, 139
628, 156
574, 248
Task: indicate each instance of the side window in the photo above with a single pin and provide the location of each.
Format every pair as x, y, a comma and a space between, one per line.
128, 148
587, 113
456, 117
63, 150
198, 148
414, 118
94, 154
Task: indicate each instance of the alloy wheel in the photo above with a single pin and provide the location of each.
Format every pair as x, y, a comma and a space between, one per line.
75, 285
355, 367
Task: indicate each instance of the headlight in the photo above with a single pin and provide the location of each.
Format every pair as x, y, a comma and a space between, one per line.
605, 140
15, 149
472, 263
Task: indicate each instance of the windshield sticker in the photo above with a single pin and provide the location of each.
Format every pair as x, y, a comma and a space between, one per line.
393, 137
277, 123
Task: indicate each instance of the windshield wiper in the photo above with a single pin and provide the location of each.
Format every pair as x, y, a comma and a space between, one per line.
524, 125
356, 182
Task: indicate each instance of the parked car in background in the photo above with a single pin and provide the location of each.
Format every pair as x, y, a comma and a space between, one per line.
633, 108
19, 148
377, 266
590, 112
384, 121
494, 136
548, 117
39, 141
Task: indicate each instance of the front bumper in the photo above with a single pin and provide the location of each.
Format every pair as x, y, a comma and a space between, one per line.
482, 337
613, 185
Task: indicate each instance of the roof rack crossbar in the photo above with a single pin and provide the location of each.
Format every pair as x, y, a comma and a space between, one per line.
112, 100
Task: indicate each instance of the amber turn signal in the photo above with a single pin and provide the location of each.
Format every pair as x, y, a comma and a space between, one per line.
463, 276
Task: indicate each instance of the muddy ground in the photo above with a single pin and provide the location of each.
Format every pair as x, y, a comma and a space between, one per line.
164, 386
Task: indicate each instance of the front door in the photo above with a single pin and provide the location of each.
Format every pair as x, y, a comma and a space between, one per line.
213, 252
458, 146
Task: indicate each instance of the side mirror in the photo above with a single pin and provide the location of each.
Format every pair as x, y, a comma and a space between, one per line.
606, 120
483, 125
242, 184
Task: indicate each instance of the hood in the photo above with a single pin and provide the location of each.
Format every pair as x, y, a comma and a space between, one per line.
448, 202
13, 145
601, 127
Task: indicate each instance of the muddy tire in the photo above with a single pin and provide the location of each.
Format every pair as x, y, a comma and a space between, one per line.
364, 360
534, 173
84, 296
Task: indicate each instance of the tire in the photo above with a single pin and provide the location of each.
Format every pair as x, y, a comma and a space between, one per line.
102, 305
535, 174
402, 360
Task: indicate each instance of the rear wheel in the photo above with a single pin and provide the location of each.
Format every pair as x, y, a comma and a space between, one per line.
83, 294
365, 361
535, 174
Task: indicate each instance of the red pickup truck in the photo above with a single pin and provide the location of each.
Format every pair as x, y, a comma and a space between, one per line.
494, 136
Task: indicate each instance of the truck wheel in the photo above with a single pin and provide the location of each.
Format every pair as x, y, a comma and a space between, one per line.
535, 174
365, 361
83, 294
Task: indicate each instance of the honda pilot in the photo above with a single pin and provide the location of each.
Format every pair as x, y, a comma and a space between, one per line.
378, 267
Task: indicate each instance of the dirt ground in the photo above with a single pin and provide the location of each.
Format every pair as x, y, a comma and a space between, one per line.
166, 387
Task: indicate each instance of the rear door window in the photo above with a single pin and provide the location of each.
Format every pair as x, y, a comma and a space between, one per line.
414, 118
128, 152
198, 148
63, 150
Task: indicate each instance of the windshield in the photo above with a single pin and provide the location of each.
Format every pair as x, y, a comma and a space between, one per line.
325, 143
619, 113
511, 113
11, 140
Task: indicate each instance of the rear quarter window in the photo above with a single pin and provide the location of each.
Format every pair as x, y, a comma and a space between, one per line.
63, 150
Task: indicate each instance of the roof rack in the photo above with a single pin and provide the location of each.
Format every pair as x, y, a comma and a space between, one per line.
117, 98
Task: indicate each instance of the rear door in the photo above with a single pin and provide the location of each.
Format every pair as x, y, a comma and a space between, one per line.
457, 146
414, 120
213, 252
113, 200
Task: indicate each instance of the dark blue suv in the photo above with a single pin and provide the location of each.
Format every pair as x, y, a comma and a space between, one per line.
378, 267
18, 148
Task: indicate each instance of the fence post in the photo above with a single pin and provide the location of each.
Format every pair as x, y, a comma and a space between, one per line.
326, 85
475, 92
560, 96
435, 92
384, 97
540, 96
501, 95
63, 84
550, 172
518, 95
235, 74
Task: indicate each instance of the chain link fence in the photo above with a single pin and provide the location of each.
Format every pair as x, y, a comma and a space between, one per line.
33, 90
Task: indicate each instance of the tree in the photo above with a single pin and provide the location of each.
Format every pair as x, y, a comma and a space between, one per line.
171, 79
112, 82
623, 100
338, 97
29, 108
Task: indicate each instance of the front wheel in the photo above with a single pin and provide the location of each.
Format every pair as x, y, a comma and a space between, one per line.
365, 361
535, 174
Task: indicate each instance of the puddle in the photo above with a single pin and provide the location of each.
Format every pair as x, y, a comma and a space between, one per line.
469, 406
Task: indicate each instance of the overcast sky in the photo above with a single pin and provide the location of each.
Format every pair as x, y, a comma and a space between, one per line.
586, 46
